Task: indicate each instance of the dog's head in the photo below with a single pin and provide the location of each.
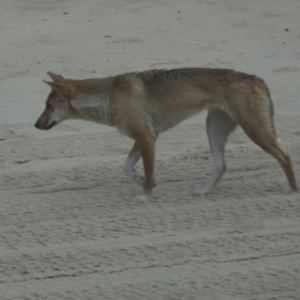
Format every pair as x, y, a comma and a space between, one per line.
58, 107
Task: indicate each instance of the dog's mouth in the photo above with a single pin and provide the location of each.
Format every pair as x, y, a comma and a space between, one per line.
51, 125
42, 126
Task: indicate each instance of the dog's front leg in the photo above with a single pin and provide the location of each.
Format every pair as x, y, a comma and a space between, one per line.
131, 161
146, 146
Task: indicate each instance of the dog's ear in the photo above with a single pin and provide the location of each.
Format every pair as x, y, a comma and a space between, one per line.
55, 77
60, 89
55, 86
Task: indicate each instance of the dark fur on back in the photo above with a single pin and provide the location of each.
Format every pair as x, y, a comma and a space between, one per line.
156, 80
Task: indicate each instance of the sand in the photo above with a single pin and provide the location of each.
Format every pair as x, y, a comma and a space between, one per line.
69, 227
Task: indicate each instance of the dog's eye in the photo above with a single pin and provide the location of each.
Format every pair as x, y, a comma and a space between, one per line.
48, 106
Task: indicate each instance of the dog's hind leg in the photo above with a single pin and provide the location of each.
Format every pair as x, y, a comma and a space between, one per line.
218, 125
131, 161
263, 135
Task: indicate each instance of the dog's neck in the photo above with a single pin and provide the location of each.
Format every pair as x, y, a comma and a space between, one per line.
92, 107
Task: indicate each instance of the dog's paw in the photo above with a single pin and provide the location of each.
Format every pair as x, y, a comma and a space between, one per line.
289, 190
141, 198
139, 179
202, 192
135, 177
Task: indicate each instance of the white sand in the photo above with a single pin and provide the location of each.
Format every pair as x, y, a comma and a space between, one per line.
69, 228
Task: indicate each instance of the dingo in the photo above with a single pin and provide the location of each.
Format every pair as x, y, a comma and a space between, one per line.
141, 105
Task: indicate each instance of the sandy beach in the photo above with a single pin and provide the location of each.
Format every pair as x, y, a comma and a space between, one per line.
69, 225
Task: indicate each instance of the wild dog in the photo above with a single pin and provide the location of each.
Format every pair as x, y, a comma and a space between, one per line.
143, 104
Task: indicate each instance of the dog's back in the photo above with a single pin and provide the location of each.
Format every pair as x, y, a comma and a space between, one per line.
170, 96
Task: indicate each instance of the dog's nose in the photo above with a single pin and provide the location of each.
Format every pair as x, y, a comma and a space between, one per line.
38, 124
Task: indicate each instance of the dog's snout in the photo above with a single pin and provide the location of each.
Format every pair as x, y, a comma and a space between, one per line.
44, 125
38, 124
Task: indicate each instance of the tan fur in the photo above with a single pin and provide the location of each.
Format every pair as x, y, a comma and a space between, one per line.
141, 105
